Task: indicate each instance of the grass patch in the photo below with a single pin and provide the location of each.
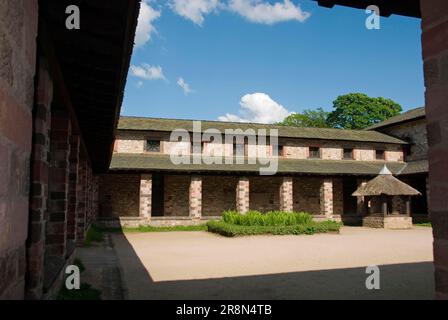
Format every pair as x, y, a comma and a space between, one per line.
200, 227
423, 224
85, 292
277, 223
94, 234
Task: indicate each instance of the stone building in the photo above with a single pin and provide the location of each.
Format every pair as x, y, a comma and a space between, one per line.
410, 126
60, 96
318, 170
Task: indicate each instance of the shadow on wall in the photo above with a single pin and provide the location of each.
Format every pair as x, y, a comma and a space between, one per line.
398, 281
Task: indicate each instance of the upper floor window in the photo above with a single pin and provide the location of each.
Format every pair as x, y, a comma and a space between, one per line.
380, 154
347, 153
314, 152
153, 145
281, 151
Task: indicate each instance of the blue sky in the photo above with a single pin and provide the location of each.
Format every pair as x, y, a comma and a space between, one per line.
254, 61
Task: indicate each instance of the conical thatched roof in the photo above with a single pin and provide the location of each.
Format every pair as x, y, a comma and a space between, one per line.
385, 184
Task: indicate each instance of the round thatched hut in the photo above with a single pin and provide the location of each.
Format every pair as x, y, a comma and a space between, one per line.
387, 201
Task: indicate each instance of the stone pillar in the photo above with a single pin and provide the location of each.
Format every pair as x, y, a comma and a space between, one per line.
286, 195
39, 184
81, 196
195, 197
58, 183
242, 195
145, 196
326, 198
435, 56
73, 183
360, 205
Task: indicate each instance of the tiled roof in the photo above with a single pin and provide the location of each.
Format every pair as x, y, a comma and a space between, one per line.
414, 167
403, 117
157, 124
145, 162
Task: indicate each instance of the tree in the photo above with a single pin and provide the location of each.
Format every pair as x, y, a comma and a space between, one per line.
308, 118
359, 111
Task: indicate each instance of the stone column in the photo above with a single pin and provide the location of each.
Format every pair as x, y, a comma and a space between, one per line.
72, 192
326, 198
286, 195
81, 196
145, 196
58, 183
360, 206
435, 56
195, 197
242, 195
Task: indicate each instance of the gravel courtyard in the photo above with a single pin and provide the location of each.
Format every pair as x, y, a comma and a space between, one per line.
201, 265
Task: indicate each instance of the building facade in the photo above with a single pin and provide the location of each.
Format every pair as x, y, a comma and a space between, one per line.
57, 125
317, 171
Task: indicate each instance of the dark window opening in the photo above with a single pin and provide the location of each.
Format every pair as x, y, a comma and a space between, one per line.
380, 154
280, 151
153, 145
314, 152
348, 153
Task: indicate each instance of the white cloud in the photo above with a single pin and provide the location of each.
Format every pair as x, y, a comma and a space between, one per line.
145, 27
147, 72
185, 86
264, 12
194, 10
259, 108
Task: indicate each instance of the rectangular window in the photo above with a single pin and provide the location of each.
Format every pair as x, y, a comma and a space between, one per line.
280, 151
348, 153
380, 154
314, 153
153, 145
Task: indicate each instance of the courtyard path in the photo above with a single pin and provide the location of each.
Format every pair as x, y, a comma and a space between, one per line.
201, 265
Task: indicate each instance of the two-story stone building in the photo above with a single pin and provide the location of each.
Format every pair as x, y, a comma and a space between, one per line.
318, 170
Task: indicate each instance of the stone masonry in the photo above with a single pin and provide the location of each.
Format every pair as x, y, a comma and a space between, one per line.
435, 56
242, 195
286, 194
195, 197
145, 196
326, 198
18, 30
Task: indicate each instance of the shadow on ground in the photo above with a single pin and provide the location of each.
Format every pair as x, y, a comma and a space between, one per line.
398, 281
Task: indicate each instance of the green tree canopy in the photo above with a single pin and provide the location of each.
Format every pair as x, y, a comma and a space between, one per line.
308, 118
359, 111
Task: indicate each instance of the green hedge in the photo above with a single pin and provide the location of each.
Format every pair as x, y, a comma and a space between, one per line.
271, 218
232, 230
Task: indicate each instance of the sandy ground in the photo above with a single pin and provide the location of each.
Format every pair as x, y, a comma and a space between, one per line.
201, 265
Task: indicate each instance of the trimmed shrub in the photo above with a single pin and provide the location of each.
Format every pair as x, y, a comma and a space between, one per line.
271, 218
232, 230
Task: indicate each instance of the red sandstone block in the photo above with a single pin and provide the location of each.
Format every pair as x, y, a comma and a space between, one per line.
434, 40
15, 116
432, 12
441, 252
4, 169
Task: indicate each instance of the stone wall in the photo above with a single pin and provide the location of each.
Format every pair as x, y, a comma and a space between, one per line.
134, 142
177, 189
415, 133
306, 194
264, 193
218, 194
18, 30
435, 56
119, 195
